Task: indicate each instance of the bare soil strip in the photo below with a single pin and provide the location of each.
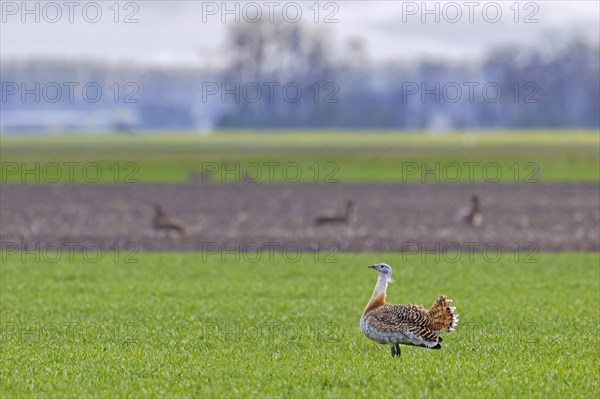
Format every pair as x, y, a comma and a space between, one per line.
221, 217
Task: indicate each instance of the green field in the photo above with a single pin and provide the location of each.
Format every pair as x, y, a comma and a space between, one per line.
179, 325
327, 156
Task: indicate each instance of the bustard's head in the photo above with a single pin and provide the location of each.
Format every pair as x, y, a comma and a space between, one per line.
382, 269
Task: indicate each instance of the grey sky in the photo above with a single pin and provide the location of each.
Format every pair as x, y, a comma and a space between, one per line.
182, 32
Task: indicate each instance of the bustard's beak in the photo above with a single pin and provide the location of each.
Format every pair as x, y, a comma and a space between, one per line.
372, 266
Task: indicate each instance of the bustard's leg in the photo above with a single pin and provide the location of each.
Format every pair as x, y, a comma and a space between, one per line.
395, 350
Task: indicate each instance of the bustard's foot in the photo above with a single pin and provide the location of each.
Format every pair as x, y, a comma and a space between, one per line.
396, 350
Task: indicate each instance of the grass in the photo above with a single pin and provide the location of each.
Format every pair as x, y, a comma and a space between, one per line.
325, 156
191, 325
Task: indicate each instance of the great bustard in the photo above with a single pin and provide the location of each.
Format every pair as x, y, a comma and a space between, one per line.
342, 218
162, 221
472, 215
405, 324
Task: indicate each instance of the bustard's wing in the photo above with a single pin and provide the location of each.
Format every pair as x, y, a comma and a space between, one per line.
410, 320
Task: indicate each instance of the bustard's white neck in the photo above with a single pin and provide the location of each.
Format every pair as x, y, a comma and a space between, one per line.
384, 277
381, 286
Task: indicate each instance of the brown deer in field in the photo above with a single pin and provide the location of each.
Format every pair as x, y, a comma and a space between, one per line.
473, 215
164, 222
341, 218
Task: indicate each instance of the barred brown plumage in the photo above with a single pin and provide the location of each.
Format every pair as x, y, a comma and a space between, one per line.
405, 324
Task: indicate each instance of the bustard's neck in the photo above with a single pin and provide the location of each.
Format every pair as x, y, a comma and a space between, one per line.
381, 286
378, 297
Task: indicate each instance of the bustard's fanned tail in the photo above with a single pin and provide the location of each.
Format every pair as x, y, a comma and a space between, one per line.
441, 315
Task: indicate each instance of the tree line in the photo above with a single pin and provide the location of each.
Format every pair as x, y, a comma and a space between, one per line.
279, 75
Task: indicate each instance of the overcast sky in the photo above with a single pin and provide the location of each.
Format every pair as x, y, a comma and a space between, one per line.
185, 32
